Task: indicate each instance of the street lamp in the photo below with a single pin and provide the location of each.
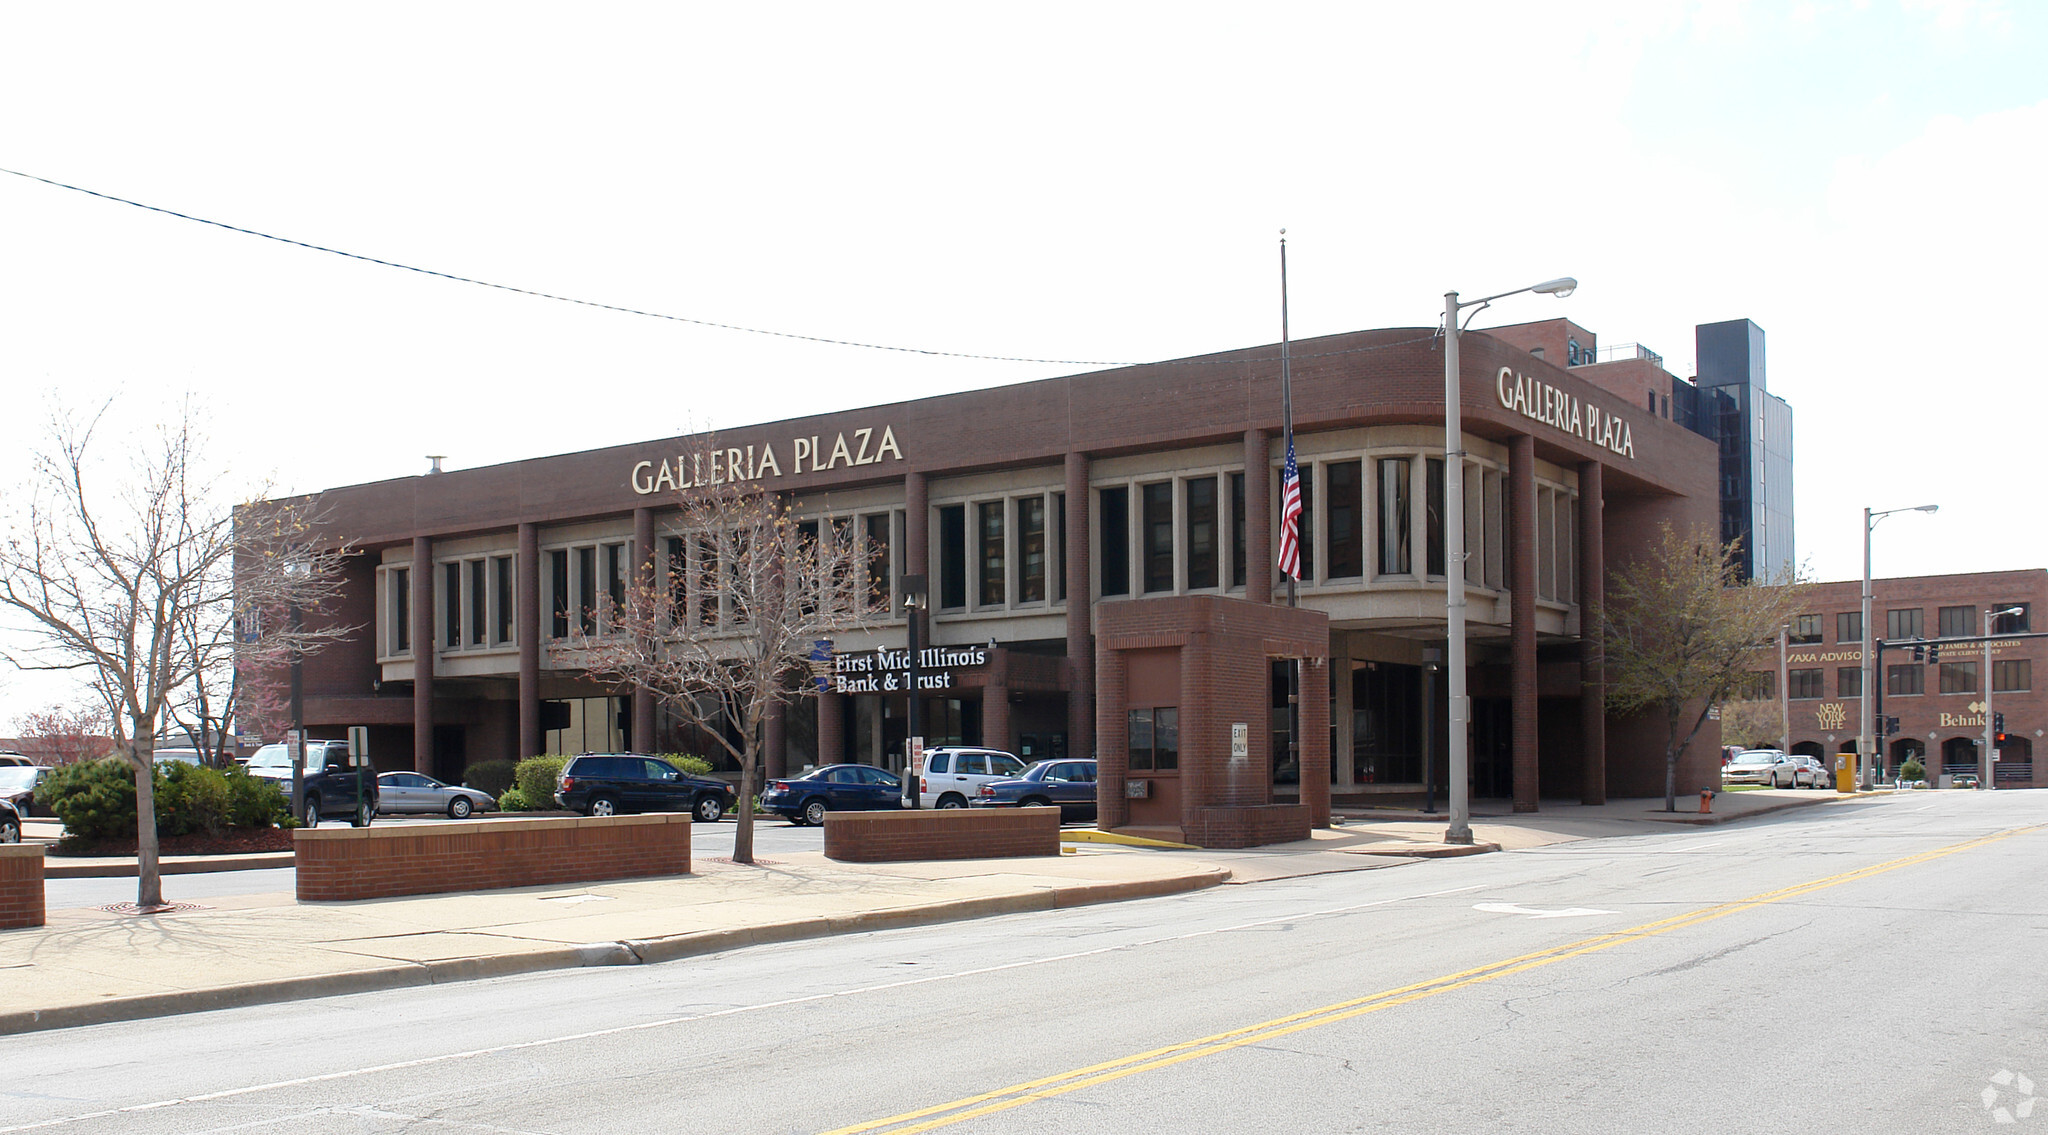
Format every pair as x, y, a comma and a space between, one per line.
912, 588
1864, 765
1984, 769
1460, 830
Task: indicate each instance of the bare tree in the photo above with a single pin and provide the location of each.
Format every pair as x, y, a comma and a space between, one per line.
123, 568
62, 735
724, 636
1681, 632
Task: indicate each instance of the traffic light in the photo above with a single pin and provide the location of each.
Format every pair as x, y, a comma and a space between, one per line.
1934, 654
1919, 654
1998, 728
1891, 726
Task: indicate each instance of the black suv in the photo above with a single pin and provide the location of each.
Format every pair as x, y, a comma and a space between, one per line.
606, 784
329, 783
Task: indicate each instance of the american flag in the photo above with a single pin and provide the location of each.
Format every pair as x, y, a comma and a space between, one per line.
1290, 516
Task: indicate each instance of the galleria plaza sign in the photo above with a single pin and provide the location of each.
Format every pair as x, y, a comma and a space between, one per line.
887, 671
758, 462
1560, 409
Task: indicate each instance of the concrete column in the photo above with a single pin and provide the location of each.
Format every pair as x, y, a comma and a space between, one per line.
1080, 611
642, 584
1592, 644
831, 729
1258, 520
1315, 740
1522, 637
424, 646
526, 631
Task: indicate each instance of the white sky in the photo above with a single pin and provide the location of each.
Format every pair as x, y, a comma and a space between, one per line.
1073, 181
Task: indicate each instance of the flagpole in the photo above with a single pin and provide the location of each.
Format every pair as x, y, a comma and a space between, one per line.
1287, 428
1286, 384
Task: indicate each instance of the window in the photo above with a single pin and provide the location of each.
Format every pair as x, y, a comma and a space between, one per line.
1237, 530
479, 602
1307, 535
1909, 679
451, 605
1031, 549
1758, 685
995, 580
615, 579
1805, 683
1116, 549
501, 568
1903, 624
880, 563
953, 556
1849, 627
1433, 520
558, 588
586, 590
2010, 624
2012, 677
1345, 520
1157, 534
1956, 622
704, 581
1201, 532
1805, 630
1059, 509
1393, 516
401, 609
1959, 677
1154, 739
1849, 682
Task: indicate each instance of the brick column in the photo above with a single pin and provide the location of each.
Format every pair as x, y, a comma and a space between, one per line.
526, 631
1112, 755
1592, 646
643, 583
423, 646
1315, 740
1080, 611
831, 729
917, 511
1258, 521
1202, 760
1522, 637
995, 702
775, 741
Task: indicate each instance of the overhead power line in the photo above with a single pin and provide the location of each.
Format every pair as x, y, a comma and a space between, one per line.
650, 314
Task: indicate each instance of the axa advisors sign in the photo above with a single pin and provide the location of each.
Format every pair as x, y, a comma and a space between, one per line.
886, 671
1560, 409
815, 453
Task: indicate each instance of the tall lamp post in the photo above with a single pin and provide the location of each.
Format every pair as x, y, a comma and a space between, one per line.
912, 588
1864, 765
1984, 770
1459, 789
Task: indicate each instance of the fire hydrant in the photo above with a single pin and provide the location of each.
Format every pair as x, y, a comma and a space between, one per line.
1706, 801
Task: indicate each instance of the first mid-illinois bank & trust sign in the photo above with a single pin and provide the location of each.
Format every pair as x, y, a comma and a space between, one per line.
812, 453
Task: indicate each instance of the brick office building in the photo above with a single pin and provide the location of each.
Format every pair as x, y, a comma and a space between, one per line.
1100, 547
1939, 703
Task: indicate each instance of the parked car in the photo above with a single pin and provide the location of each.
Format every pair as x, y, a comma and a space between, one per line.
416, 793
1811, 773
330, 782
1963, 780
1761, 766
1069, 785
184, 756
10, 823
953, 774
18, 786
10, 757
606, 784
835, 788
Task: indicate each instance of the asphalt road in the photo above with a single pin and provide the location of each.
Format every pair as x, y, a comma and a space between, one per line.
1868, 966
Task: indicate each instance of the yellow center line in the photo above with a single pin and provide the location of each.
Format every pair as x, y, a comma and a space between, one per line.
1048, 1087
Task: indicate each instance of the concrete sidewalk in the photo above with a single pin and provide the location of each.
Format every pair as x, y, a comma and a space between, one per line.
90, 966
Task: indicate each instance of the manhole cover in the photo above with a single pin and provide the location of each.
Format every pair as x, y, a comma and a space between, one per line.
166, 908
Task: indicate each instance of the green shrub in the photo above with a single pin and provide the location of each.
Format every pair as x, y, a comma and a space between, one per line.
190, 798
536, 780
513, 800
95, 799
254, 802
696, 766
494, 777
1912, 770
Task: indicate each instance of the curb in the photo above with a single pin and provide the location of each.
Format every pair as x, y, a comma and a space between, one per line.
1091, 835
649, 951
1426, 850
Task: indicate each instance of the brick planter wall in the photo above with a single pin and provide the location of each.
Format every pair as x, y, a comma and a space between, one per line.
336, 863
21, 885
941, 833
1250, 826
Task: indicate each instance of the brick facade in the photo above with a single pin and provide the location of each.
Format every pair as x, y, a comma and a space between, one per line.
337, 864
21, 885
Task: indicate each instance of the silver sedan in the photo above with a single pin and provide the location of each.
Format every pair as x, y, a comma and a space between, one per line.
399, 793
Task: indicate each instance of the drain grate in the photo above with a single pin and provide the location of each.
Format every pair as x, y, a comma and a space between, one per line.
166, 908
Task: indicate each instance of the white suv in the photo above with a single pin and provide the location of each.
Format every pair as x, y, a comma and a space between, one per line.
953, 774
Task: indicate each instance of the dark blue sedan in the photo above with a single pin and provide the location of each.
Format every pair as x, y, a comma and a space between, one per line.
1068, 784
834, 788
